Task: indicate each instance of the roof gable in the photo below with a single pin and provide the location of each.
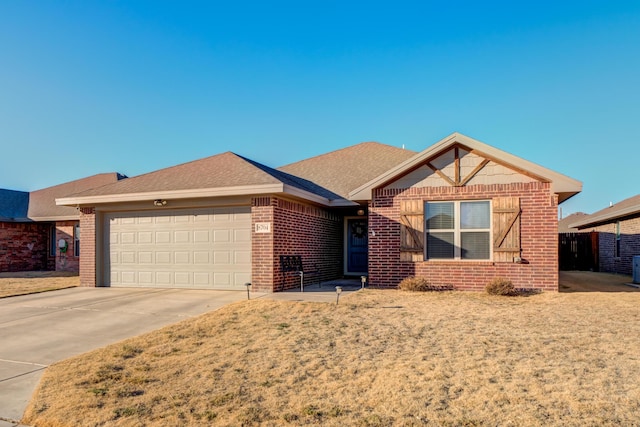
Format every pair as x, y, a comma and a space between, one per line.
444, 159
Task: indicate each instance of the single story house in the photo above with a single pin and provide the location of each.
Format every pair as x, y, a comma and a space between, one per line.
37, 234
618, 228
458, 213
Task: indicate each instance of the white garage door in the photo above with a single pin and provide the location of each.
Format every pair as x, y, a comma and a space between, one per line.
202, 248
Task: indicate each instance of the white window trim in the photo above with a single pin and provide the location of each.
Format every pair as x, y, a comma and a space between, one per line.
457, 231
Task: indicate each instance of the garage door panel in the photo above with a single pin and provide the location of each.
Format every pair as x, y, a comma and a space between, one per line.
241, 236
145, 257
163, 257
182, 236
145, 278
128, 237
182, 278
163, 237
201, 257
201, 236
204, 248
242, 257
221, 236
202, 279
182, 257
128, 277
128, 257
145, 237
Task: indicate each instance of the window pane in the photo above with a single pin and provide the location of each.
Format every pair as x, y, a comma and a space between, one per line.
440, 216
474, 245
439, 245
474, 215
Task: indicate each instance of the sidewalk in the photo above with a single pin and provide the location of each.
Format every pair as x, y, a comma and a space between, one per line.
324, 292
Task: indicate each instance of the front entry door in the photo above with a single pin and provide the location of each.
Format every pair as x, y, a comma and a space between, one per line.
356, 236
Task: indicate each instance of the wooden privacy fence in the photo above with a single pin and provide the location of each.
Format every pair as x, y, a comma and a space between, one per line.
578, 251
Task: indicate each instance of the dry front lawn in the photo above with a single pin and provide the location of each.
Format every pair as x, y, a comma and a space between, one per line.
380, 358
31, 282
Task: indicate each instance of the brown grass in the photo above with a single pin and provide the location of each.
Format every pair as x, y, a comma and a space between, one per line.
30, 282
380, 358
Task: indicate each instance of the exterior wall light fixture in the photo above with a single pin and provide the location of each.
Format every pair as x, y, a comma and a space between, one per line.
159, 202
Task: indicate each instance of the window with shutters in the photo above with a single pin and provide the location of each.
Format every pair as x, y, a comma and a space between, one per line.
458, 230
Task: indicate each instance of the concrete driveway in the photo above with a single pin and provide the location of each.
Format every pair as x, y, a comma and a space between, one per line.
38, 330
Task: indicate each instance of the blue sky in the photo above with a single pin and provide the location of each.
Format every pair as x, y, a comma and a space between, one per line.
134, 86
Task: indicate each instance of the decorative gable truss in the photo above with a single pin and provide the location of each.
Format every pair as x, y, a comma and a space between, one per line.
459, 167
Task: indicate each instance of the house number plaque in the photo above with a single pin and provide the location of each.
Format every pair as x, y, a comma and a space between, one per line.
263, 227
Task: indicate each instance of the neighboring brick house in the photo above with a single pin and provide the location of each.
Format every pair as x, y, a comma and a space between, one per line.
368, 209
32, 227
618, 228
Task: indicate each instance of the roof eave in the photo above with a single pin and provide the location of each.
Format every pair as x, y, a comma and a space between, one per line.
174, 194
55, 218
606, 217
312, 197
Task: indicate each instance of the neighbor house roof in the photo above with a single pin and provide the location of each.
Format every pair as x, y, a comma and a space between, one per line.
344, 170
627, 208
14, 205
562, 185
226, 174
42, 203
565, 225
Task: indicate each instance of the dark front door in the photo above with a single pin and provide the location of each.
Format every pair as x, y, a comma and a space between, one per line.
356, 235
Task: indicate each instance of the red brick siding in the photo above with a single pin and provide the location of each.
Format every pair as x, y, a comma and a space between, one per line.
296, 229
538, 235
262, 246
66, 261
629, 246
88, 247
15, 251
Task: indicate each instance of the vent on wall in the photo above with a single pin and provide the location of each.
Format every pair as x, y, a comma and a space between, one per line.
636, 269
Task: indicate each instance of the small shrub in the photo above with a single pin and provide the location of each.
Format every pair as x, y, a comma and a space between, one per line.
420, 284
414, 284
501, 286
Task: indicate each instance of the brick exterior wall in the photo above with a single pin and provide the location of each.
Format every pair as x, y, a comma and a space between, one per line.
629, 246
538, 237
296, 229
25, 247
87, 247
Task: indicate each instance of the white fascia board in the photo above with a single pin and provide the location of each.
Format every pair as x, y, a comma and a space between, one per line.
606, 217
312, 197
560, 183
172, 195
55, 218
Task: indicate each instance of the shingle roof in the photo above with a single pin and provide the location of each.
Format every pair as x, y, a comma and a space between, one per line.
565, 224
14, 205
626, 208
344, 170
42, 203
226, 172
